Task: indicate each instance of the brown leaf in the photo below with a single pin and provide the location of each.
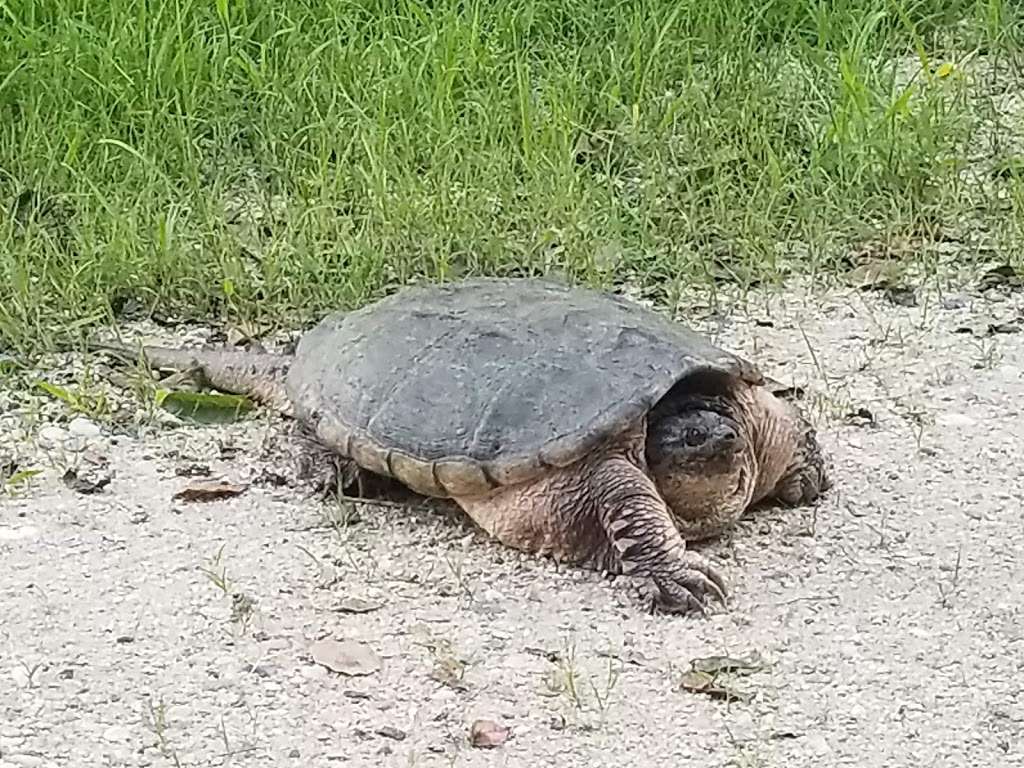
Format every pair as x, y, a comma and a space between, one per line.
901, 295
713, 665
88, 483
352, 604
1010, 327
784, 391
390, 732
1003, 274
347, 657
703, 682
210, 491
450, 671
8, 466
874, 275
860, 417
487, 734
551, 655
192, 470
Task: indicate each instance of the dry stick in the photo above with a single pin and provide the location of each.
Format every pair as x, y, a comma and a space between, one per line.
814, 358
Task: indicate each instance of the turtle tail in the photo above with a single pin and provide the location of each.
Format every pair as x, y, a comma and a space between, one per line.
259, 375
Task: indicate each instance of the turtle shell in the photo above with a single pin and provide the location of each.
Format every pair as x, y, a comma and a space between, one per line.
455, 389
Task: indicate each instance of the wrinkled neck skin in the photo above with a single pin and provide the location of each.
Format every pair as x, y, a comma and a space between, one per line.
776, 431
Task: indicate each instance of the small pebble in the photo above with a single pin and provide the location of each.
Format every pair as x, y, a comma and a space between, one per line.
52, 436
954, 420
82, 427
25, 761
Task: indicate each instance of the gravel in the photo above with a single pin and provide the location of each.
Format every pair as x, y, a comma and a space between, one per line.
887, 622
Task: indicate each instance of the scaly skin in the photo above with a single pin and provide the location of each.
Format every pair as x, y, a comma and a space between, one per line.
604, 512
703, 456
687, 473
259, 375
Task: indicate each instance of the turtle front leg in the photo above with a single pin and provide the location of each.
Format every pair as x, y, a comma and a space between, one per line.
642, 534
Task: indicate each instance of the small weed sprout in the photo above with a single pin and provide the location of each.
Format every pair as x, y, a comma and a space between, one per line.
243, 606
157, 722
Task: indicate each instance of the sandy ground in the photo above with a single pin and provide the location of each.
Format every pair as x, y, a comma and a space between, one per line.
888, 620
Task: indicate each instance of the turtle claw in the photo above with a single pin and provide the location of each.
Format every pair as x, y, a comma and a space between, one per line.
690, 589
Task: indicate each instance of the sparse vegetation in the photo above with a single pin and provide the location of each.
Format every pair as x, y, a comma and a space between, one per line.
243, 605
262, 161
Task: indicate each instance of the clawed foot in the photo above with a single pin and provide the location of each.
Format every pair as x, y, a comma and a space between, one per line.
808, 482
809, 478
689, 589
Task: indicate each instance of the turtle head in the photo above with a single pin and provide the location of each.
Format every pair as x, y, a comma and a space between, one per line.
715, 446
700, 454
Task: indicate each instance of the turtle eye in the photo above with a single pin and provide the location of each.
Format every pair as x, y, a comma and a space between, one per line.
693, 436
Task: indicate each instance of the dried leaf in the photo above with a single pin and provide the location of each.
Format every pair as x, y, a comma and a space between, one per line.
875, 275
635, 658
901, 296
89, 483
1011, 327
351, 604
784, 391
8, 466
346, 657
237, 336
487, 734
210, 491
714, 665
204, 408
551, 655
860, 417
192, 470
1003, 274
450, 671
702, 682
784, 735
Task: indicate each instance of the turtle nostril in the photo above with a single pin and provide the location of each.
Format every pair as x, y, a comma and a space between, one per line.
728, 436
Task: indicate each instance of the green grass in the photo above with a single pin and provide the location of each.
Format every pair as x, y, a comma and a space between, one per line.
265, 161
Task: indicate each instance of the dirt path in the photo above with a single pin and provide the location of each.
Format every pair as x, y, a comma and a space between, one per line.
890, 620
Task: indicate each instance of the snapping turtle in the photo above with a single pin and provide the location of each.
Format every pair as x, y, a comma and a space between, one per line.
564, 421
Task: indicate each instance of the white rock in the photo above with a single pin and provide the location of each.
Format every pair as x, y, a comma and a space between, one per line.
82, 427
25, 761
117, 734
52, 436
21, 532
75, 444
954, 420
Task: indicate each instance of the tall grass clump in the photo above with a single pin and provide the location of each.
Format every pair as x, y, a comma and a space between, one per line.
261, 160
